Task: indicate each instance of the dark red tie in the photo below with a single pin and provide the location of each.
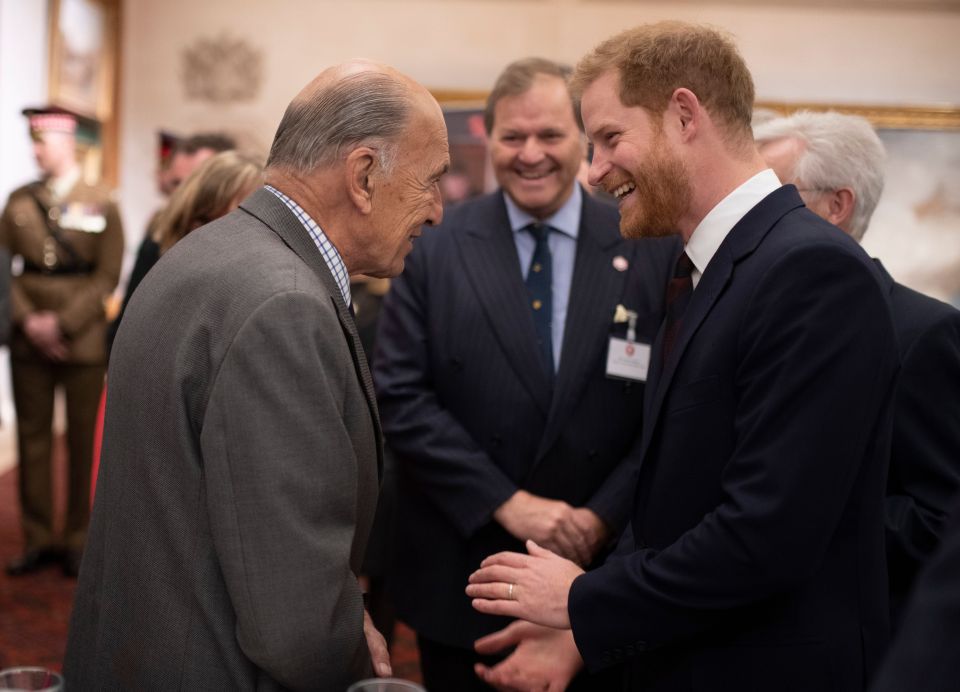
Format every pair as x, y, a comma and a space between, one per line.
679, 291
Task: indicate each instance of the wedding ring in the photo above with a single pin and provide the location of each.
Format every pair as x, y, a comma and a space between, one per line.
510, 593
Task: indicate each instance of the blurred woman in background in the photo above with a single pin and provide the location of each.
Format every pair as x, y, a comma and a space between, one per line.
216, 188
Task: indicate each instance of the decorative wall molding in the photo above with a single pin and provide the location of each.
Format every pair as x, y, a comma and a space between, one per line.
221, 70
889, 117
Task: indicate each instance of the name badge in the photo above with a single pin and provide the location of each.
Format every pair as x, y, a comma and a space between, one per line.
628, 360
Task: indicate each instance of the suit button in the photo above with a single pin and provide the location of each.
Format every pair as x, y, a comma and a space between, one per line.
496, 441
592, 454
456, 364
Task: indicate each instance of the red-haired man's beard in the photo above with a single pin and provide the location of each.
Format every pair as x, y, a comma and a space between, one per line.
661, 197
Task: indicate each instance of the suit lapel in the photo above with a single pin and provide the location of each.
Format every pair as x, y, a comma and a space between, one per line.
742, 240
490, 261
267, 207
594, 291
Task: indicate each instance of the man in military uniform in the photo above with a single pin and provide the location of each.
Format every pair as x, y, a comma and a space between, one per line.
66, 242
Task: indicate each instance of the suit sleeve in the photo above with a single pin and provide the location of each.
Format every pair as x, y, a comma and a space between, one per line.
814, 367
435, 450
86, 305
281, 477
925, 459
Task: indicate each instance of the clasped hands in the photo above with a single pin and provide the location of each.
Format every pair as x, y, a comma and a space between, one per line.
42, 328
575, 533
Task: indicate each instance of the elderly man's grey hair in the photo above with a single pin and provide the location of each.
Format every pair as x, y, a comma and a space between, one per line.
838, 151
366, 108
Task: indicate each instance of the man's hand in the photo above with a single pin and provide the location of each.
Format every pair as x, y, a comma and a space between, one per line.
553, 524
43, 330
545, 659
379, 653
531, 587
594, 531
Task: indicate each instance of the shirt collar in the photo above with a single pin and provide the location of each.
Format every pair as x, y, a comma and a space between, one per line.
566, 219
327, 249
715, 226
60, 187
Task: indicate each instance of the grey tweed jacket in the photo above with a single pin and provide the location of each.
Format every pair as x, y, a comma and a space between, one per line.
238, 477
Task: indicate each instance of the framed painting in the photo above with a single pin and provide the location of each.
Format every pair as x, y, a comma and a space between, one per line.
84, 45
470, 173
915, 230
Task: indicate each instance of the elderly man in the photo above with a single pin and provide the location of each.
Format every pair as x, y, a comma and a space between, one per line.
66, 240
836, 162
242, 446
492, 370
757, 561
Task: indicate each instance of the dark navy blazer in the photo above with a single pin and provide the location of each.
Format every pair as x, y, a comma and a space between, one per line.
925, 456
758, 517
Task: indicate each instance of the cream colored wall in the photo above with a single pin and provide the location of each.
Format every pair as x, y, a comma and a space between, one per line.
796, 54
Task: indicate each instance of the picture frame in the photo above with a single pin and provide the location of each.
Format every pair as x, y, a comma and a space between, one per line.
84, 40
470, 173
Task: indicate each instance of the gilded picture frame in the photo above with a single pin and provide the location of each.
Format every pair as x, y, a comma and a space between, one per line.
84, 75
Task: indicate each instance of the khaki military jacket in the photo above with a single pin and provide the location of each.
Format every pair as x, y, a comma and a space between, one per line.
90, 224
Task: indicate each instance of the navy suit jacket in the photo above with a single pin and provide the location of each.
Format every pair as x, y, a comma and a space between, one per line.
758, 517
925, 455
467, 405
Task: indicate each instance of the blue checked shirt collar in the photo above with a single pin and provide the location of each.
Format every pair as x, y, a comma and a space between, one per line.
327, 250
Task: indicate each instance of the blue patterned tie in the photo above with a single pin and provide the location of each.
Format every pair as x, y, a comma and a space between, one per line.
540, 287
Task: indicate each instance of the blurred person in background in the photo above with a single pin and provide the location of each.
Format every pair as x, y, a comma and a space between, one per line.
836, 162
67, 243
179, 157
216, 188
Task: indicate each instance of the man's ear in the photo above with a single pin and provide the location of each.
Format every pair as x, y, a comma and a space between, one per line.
360, 169
685, 111
840, 208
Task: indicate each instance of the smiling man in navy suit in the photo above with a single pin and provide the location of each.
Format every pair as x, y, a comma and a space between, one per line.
508, 419
756, 561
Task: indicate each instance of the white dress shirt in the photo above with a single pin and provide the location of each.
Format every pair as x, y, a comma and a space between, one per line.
715, 226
